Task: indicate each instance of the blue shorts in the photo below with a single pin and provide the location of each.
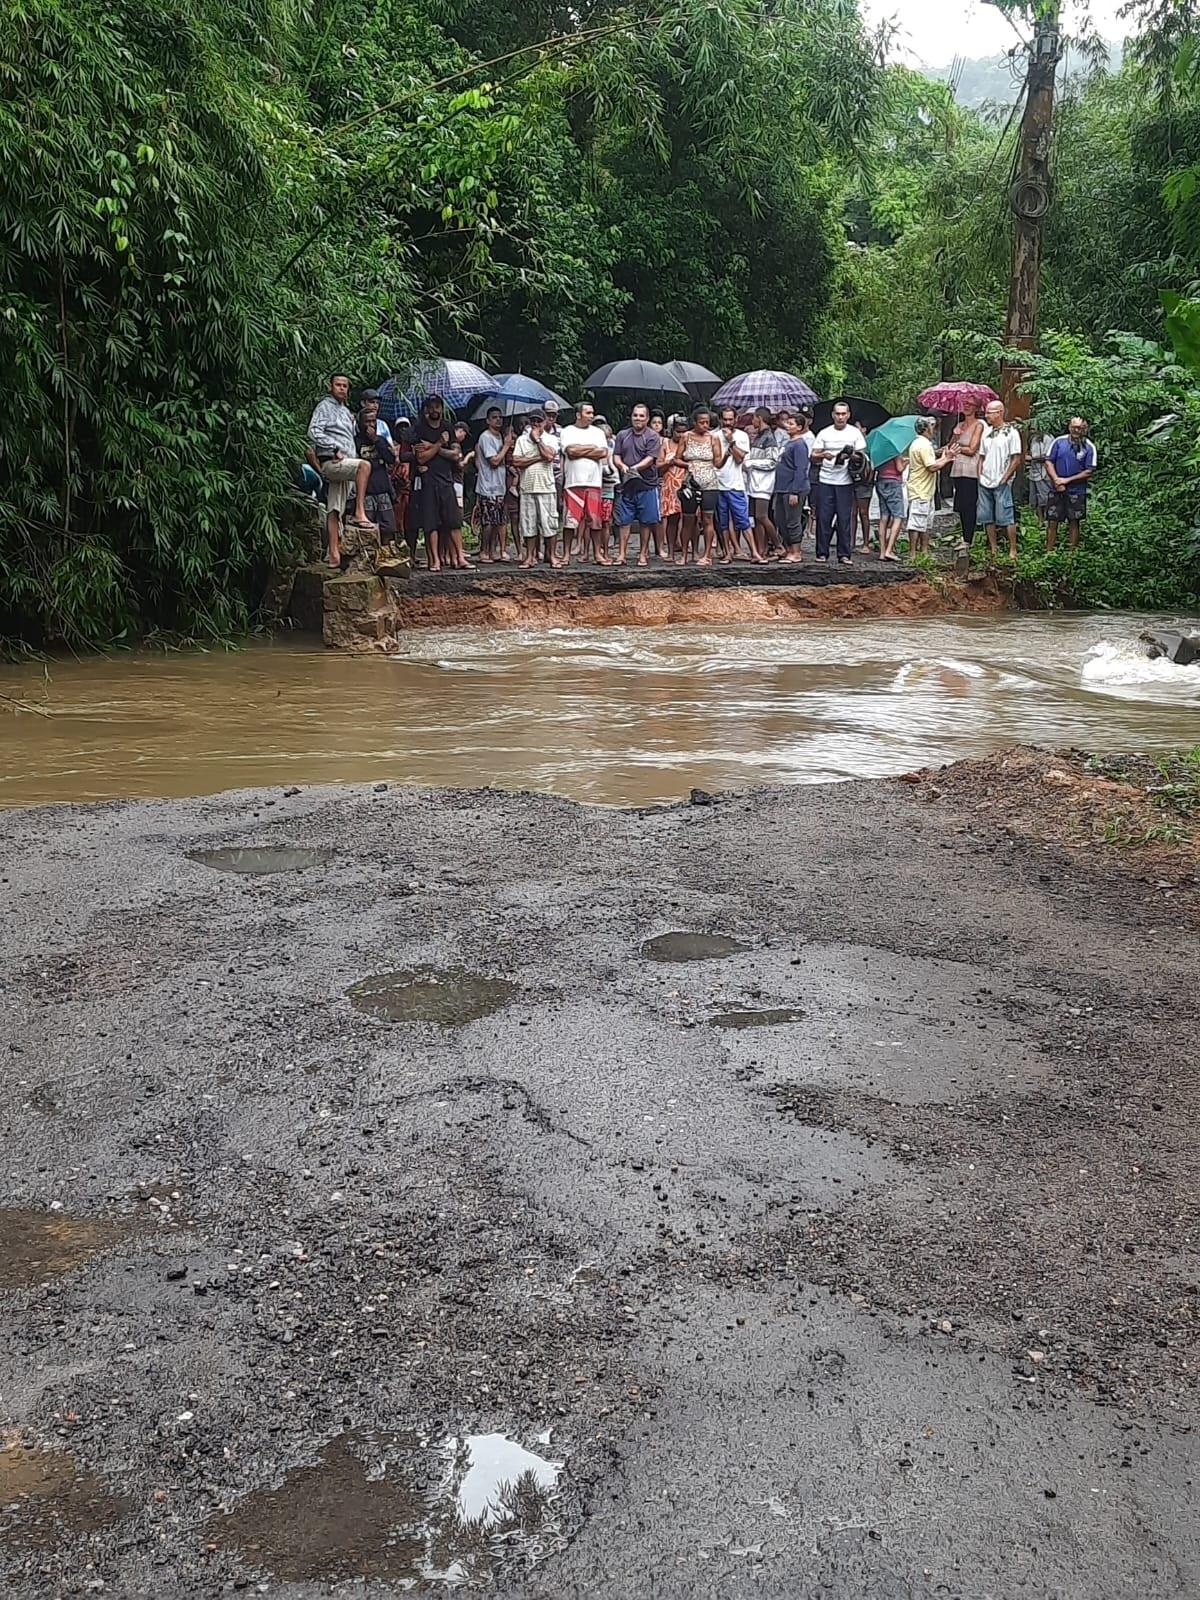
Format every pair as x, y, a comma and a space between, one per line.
996, 506
891, 496
638, 505
732, 507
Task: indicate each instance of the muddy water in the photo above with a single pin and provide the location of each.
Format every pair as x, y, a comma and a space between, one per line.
616, 716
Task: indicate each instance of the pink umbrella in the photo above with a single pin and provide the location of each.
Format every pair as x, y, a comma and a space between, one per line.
952, 397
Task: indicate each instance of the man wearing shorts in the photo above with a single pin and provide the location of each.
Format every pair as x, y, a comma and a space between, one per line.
331, 432
636, 453
889, 485
437, 452
733, 506
534, 455
999, 458
491, 460
1070, 462
585, 450
924, 464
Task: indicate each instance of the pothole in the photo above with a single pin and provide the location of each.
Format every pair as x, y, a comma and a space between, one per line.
447, 998
373, 1507
262, 858
45, 1496
691, 947
770, 1017
36, 1245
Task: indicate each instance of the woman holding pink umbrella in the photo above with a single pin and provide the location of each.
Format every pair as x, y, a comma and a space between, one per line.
966, 400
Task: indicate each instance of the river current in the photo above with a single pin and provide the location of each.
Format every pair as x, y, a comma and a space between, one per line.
614, 716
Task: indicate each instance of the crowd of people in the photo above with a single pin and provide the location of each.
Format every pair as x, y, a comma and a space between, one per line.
709, 486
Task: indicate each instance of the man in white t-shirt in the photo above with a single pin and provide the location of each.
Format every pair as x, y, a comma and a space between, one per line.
999, 458
733, 509
584, 452
833, 448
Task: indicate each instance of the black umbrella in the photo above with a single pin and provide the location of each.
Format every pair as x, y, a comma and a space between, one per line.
635, 376
864, 414
697, 380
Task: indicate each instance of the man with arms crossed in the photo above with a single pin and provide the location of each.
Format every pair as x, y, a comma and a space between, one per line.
585, 450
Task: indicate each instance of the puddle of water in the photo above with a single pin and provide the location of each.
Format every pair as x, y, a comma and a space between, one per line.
500, 1471
261, 858
447, 999
451, 1513
45, 1495
36, 1245
691, 947
768, 1018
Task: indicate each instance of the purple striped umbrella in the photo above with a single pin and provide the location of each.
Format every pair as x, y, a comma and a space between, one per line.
771, 389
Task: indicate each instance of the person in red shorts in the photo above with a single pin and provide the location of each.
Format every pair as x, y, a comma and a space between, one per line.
585, 452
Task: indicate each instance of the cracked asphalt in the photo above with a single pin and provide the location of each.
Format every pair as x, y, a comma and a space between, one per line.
889, 1292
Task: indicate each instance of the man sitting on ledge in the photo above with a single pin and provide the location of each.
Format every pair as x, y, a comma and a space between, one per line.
332, 432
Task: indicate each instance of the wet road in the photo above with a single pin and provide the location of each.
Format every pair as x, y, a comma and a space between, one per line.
339, 1197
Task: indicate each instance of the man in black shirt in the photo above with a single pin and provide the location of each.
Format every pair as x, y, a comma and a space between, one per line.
437, 453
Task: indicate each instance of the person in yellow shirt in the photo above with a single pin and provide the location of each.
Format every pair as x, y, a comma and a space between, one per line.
924, 464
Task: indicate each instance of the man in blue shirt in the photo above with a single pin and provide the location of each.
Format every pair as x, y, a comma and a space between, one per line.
791, 486
1070, 462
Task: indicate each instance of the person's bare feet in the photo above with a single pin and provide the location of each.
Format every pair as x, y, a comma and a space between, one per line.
435, 566
704, 561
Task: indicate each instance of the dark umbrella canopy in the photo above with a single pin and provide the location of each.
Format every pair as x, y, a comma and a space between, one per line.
697, 380
635, 376
865, 414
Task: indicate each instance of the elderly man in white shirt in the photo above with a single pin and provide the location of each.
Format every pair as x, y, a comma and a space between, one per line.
999, 458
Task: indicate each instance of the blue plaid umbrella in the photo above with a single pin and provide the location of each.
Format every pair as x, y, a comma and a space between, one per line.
772, 389
456, 382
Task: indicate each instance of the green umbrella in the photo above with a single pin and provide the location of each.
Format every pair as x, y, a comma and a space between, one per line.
892, 439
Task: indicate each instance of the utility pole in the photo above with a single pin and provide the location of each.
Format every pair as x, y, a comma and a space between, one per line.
1029, 199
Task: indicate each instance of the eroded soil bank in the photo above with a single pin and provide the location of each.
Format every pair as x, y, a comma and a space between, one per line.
854, 1255
362, 612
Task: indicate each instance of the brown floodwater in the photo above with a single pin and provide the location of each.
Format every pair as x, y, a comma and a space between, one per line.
616, 716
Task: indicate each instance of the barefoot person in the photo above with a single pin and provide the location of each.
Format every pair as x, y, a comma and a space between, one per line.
889, 486
1000, 456
791, 486
437, 453
585, 451
636, 452
703, 451
671, 473
491, 459
533, 457
761, 465
964, 473
331, 431
733, 506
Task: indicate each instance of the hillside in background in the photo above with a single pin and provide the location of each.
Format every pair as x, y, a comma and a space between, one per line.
994, 80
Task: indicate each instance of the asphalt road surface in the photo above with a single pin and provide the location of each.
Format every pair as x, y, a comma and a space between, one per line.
854, 1254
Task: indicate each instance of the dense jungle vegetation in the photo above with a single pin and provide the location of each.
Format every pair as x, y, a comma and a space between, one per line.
202, 213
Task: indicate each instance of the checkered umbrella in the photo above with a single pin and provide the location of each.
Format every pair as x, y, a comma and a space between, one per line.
771, 389
456, 382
